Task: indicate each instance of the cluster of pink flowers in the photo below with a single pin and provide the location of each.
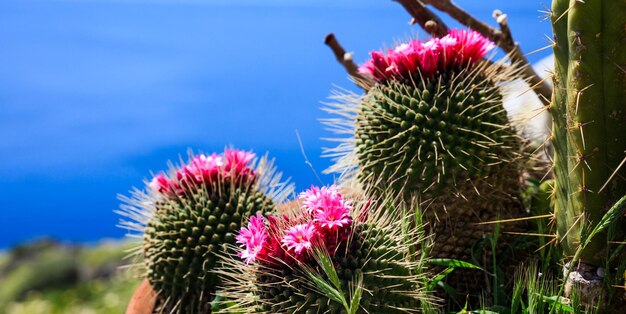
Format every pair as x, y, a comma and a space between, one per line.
324, 221
460, 48
232, 165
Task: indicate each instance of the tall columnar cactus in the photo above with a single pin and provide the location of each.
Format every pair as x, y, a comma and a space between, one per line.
434, 126
188, 217
589, 112
289, 262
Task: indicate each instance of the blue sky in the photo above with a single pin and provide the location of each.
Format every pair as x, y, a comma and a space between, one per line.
96, 94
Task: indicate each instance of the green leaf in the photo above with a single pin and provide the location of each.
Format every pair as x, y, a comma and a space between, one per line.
326, 288
323, 259
356, 297
439, 278
448, 262
554, 301
611, 216
450, 291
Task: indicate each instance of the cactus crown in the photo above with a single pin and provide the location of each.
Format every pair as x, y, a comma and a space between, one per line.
434, 122
187, 217
365, 250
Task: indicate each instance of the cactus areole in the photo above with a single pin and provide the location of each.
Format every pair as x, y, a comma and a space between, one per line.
433, 128
589, 112
193, 213
279, 254
433, 123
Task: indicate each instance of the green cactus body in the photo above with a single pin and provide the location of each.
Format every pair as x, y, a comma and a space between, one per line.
285, 259
440, 136
188, 219
386, 278
183, 239
588, 108
446, 136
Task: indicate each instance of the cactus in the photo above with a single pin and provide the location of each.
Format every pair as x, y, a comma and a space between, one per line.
434, 123
434, 126
189, 216
285, 261
589, 113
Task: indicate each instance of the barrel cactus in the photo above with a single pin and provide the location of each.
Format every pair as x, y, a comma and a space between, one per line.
433, 123
589, 133
433, 126
187, 218
286, 258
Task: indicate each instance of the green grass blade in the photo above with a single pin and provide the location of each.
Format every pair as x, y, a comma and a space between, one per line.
435, 281
448, 262
327, 289
323, 259
356, 296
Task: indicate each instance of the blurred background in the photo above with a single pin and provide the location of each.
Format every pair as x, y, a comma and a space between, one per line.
95, 95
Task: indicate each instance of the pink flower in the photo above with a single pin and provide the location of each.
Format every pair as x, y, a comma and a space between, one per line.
210, 170
408, 60
471, 45
327, 206
253, 238
429, 57
315, 199
333, 216
160, 183
237, 161
203, 168
377, 67
299, 237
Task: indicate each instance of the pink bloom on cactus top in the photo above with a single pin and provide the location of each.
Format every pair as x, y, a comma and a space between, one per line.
160, 183
316, 199
327, 206
237, 161
299, 237
332, 216
232, 164
457, 49
204, 167
253, 238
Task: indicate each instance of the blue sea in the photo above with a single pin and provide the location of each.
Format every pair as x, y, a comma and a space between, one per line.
97, 95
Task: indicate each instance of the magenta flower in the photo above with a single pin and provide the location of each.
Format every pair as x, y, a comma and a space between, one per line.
204, 168
160, 183
471, 46
315, 199
237, 161
333, 216
409, 60
231, 166
299, 237
253, 238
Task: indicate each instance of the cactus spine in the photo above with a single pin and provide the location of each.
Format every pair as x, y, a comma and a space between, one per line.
321, 240
589, 113
188, 217
433, 126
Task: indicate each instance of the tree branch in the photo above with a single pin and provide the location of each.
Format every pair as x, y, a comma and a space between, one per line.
430, 22
345, 59
501, 37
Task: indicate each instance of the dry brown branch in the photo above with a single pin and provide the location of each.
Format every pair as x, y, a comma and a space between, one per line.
430, 22
345, 59
502, 37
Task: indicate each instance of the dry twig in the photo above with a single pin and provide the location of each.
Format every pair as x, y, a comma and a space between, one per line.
430, 22
345, 59
502, 37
